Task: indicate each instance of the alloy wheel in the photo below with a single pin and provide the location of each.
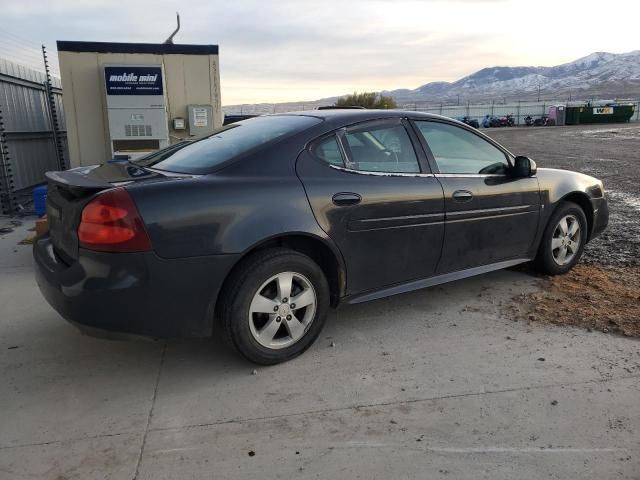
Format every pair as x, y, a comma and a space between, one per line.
282, 310
565, 241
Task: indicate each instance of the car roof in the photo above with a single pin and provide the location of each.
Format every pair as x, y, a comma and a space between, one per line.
355, 115
339, 118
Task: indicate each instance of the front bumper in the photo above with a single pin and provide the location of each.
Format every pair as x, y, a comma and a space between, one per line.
133, 293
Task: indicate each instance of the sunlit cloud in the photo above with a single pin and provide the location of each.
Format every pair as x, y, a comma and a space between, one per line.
304, 50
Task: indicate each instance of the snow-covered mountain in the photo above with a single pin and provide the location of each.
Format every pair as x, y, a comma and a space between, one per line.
601, 72
601, 75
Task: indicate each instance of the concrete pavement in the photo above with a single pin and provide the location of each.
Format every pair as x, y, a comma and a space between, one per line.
432, 384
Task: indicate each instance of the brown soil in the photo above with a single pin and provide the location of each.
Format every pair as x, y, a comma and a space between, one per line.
590, 296
27, 240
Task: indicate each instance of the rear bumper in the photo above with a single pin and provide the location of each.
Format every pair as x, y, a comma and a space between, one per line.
600, 216
133, 293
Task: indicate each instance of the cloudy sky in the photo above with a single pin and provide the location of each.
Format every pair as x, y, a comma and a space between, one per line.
274, 51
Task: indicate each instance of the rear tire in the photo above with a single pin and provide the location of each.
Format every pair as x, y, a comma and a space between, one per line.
563, 240
258, 310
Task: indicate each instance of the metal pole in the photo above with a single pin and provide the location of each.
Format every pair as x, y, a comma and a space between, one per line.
8, 201
55, 124
518, 114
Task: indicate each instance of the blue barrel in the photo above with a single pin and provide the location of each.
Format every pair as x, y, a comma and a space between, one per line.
40, 200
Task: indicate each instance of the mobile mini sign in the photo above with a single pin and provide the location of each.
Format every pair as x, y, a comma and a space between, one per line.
127, 80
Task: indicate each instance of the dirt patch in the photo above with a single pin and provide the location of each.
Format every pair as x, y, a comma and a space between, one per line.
590, 296
603, 291
27, 240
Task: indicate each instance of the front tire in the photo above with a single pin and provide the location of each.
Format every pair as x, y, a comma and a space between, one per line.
274, 305
563, 240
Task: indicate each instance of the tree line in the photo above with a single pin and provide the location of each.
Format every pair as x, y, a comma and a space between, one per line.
367, 100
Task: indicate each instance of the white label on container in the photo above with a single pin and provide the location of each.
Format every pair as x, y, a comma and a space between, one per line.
602, 110
200, 117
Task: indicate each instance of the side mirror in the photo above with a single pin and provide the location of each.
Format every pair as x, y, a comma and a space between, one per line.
524, 167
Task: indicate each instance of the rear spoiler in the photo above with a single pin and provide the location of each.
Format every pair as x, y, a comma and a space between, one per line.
77, 182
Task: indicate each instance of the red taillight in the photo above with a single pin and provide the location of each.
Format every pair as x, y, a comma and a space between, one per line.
111, 223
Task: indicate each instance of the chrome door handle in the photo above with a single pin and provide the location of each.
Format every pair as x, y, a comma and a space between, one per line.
462, 195
344, 199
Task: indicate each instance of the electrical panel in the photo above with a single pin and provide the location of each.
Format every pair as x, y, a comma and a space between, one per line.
200, 119
178, 123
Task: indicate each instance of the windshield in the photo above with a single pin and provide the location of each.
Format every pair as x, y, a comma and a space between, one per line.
204, 154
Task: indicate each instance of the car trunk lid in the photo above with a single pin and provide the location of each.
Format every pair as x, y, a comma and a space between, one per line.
70, 190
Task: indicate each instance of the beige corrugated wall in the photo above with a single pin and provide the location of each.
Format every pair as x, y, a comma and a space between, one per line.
189, 79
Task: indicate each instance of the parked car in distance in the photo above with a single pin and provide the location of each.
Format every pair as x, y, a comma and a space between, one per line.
262, 226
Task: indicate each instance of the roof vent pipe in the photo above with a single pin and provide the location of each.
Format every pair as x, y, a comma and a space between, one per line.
170, 39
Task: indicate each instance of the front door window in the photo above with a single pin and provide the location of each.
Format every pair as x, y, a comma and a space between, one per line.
457, 150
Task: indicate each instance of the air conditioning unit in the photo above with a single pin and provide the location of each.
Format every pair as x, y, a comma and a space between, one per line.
136, 109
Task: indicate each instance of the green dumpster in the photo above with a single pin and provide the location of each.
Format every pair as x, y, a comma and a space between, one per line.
588, 113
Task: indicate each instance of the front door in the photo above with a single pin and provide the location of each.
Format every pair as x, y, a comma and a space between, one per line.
490, 215
369, 192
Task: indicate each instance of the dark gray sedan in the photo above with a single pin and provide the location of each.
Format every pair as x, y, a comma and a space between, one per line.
263, 225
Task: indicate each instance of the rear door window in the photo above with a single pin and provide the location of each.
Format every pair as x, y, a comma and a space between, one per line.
328, 151
381, 148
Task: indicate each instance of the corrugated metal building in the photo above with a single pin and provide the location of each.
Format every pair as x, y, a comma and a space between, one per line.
28, 136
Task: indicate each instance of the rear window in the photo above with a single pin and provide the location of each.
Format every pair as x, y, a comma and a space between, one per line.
203, 155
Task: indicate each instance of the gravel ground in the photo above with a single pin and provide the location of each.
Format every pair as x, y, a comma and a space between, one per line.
608, 152
603, 291
436, 384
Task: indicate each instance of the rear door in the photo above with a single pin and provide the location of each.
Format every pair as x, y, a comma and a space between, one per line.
490, 215
372, 191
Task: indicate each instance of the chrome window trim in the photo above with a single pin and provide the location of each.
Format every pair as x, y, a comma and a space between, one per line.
469, 175
339, 136
417, 174
381, 174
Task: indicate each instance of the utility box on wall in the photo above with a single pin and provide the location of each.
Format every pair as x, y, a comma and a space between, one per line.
128, 99
200, 119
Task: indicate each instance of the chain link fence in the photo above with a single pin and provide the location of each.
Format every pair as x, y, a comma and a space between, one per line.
519, 109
